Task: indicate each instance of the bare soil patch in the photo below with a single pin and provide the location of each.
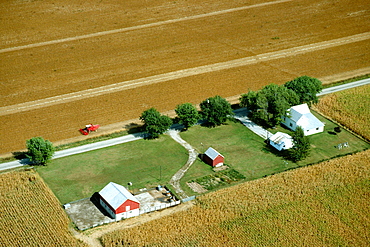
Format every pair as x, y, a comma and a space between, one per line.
196, 187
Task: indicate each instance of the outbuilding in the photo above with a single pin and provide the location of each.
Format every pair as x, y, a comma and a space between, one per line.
281, 141
118, 201
300, 115
213, 158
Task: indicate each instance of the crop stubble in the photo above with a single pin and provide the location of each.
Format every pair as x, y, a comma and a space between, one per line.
46, 71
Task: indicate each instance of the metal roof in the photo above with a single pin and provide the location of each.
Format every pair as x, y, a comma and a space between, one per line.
280, 137
303, 117
212, 153
116, 195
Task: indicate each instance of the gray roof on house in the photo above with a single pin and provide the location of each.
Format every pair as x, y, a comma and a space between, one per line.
116, 194
212, 153
303, 117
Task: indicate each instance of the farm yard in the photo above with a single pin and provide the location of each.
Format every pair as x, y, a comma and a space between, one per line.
321, 205
106, 62
110, 61
30, 213
144, 163
149, 163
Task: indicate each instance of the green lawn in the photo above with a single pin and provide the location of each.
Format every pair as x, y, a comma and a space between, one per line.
247, 153
145, 163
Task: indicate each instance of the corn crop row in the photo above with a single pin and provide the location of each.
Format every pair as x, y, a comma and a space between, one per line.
30, 213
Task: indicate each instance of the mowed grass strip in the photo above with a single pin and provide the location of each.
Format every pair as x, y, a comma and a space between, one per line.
350, 108
145, 163
30, 213
320, 205
247, 153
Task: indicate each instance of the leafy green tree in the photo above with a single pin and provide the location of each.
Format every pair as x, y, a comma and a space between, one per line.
257, 105
268, 105
155, 123
306, 88
187, 114
216, 110
301, 148
40, 151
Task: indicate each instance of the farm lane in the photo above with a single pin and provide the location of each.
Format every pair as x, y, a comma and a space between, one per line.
127, 29
65, 98
137, 136
175, 180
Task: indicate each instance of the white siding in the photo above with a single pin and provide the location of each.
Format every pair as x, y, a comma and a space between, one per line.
110, 212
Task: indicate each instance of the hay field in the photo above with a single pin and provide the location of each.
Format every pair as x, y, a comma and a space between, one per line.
322, 205
67, 63
30, 213
350, 108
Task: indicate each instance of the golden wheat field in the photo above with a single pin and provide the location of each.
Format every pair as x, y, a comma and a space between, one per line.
350, 108
30, 213
322, 205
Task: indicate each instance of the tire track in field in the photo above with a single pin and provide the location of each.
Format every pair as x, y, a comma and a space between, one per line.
116, 87
127, 29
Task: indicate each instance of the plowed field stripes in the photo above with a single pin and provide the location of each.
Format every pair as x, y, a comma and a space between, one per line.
126, 29
116, 87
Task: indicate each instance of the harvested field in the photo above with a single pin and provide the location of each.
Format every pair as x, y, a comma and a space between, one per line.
320, 205
160, 54
350, 108
30, 213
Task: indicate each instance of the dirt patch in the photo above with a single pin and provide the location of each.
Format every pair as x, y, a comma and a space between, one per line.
87, 214
196, 187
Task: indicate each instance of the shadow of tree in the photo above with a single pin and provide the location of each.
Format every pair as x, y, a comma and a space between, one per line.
19, 155
270, 149
133, 128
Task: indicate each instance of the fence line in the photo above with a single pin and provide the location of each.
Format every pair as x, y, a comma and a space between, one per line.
188, 198
161, 206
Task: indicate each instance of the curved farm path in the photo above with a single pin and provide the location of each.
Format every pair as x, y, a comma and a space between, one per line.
175, 180
65, 98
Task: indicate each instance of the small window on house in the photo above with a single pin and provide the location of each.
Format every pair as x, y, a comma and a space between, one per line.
291, 125
127, 208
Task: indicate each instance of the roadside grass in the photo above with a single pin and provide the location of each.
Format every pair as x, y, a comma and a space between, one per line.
357, 78
247, 153
145, 163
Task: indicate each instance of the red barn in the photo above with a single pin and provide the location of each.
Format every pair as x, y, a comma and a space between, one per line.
118, 201
213, 158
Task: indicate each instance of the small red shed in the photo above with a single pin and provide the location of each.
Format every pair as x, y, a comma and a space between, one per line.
118, 201
213, 158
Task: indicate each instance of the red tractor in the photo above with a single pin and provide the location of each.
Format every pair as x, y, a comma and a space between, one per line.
89, 128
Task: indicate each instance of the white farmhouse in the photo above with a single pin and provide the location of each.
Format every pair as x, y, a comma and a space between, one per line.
281, 141
300, 115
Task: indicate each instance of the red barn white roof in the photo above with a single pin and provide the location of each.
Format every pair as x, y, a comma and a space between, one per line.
116, 194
